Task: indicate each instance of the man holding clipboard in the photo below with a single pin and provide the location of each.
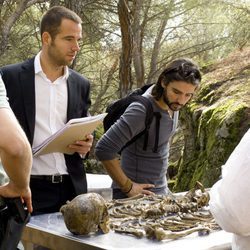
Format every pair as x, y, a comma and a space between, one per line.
44, 94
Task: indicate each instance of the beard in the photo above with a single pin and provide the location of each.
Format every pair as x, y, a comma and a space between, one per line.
174, 106
56, 56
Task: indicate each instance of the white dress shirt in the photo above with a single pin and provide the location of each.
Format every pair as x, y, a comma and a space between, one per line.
3, 98
230, 196
51, 114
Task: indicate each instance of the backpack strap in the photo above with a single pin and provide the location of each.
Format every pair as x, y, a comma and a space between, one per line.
157, 130
148, 120
157, 127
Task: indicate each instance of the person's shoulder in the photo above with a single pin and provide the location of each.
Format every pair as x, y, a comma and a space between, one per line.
77, 76
140, 105
29, 63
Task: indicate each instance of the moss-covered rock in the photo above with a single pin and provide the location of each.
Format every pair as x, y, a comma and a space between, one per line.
214, 122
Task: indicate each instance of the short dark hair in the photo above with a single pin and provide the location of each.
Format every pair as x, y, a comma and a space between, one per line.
52, 19
182, 69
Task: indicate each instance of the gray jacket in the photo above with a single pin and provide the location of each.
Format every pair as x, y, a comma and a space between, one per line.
139, 165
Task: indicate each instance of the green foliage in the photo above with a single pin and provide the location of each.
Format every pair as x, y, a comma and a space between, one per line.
24, 40
99, 132
205, 30
94, 167
199, 29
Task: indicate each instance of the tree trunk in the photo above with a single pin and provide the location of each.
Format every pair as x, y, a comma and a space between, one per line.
157, 43
95, 108
137, 45
127, 46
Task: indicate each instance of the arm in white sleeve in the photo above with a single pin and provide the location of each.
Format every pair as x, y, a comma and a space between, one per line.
230, 196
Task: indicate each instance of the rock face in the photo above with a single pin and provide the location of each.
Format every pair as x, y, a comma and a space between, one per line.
214, 122
86, 213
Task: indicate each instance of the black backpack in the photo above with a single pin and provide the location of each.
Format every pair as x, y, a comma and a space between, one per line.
117, 108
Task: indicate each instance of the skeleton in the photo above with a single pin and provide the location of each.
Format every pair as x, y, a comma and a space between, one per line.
161, 234
163, 217
153, 216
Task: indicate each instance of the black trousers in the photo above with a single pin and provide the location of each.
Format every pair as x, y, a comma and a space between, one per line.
48, 197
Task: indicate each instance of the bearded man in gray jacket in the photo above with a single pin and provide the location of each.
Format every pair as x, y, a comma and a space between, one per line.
141, 171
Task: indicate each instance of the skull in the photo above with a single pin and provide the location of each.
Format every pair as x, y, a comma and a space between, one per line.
86, 213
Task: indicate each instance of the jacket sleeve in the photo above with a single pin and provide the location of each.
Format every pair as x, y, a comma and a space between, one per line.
229, 197
131, 123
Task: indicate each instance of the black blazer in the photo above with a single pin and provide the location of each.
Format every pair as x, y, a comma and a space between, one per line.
19, 81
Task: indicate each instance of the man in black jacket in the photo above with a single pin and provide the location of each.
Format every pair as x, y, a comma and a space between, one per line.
44, 94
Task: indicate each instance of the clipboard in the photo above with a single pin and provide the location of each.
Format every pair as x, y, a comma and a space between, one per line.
74, 130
